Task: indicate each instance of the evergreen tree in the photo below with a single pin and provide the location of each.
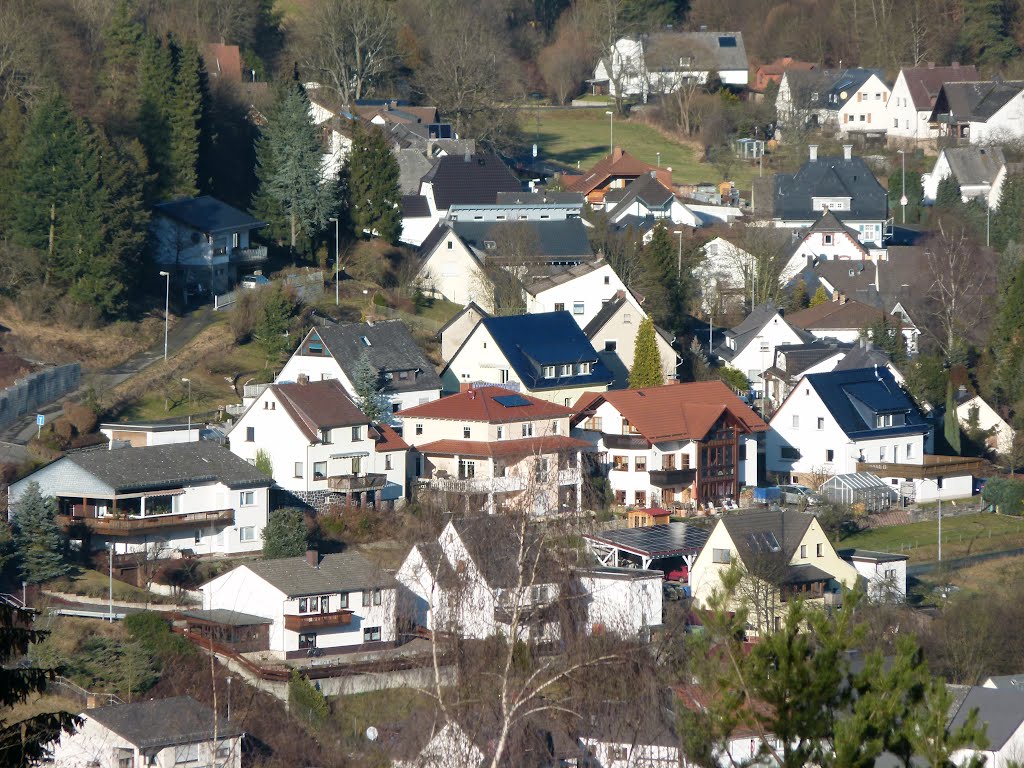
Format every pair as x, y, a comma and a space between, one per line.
285, 534
985, 35
275, 312
911, 183
885, 334
264, 463
39, 539
646, 370
798, 297
819, 297
12, 132
1008, 341
372, 185
370, 396
658, 283
950, 422
947, 196
122, 38
156, 85
184, 113
292, 195
26, 742
1008, 218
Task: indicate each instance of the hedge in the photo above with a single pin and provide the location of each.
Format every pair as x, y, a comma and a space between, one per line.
1007, 494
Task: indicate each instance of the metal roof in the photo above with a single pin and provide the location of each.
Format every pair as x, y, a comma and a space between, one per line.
655, 541
858, 481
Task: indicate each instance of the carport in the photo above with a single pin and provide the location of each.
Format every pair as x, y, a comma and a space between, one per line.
643, 546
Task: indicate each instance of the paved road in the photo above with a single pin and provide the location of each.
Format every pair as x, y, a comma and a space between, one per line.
960, 562
187, 327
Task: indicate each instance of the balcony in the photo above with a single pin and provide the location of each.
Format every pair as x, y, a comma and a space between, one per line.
303, 622
121, 526
364, 481
256, 255
568, 476
932, 468
626, 442
506, 484
667, 478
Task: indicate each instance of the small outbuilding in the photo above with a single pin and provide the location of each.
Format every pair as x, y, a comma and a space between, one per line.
859, 489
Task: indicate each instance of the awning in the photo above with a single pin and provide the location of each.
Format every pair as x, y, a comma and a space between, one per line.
350, 455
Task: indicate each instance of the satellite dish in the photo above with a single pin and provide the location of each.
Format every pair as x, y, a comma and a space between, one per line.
371, 733
842, 95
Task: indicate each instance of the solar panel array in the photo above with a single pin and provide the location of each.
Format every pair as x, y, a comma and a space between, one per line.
657, 540
512, 401
763, 542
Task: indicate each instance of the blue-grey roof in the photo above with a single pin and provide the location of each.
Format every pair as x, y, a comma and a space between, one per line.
529, 342
208, 214
854, 397
158, 723
751, 326
555, 238
830, 177
999, 710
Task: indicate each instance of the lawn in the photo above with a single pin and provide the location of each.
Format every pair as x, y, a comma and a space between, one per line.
385, 710
95, 584
961, 536
581, 136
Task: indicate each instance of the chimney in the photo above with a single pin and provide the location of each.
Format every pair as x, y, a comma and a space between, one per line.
617, 153
303, 379
835, 296
814, 152
467, 157
847, 151
465, 387
312, 558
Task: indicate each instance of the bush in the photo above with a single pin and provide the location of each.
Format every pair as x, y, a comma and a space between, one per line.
1007, 494
81, 417
242, 317
734, 378
306, 701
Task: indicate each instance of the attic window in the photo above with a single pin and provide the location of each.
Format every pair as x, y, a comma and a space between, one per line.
490, 245
727, 41
366, 341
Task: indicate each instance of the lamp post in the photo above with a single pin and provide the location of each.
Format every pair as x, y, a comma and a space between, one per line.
337, 269
189, 382
988, 223
679, 259
229, 697
938, 496
167, 308
903, 175
659, 158
611, 131
110, 583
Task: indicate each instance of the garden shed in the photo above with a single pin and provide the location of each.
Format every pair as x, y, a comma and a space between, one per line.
862, 490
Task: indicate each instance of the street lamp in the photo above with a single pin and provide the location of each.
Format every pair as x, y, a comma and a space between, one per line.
167, 309
938, 495
659, 159
679, 259
336, 267
611, 131
903, 174
110, 583
189, 382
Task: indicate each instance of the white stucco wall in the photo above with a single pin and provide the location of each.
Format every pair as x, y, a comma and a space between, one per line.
583, 296
625, 603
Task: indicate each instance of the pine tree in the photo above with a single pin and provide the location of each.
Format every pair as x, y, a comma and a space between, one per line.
1008, 341
185, 114
658, 276
292, 195
947, 196
275, 312
985, 34
39, 539
950, 422
798, 297
646, 370
372, 185
1007, 219
121, 47
819, 297
285, 534
156, 84
370, 396
12, 132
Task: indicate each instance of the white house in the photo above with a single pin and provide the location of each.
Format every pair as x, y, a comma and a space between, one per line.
140, 434
844, 320
987, 418
722, 275
794, 360
828, 239
980, 172
160, 500
678, 444
613, 332
647, 198
750, 346
623, 601
982, 112
204, 243
630, 736
322, 448
457, 329
163, 733
582, 290
865, 109
913, 97
316, 604
333, 351
841, 101
884, 573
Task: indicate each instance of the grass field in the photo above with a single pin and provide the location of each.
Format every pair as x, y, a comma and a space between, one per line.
571, 136
961, 536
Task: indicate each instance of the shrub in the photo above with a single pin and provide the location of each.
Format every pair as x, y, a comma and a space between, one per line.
153, 632
734, 378
306, 701
81, 417
1007, 494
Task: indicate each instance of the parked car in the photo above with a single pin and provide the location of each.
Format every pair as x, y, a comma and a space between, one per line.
799, 494
254, 281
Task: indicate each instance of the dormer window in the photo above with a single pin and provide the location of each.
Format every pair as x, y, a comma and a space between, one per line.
548, 372
730, 343
566, 370
490, 245
883, 420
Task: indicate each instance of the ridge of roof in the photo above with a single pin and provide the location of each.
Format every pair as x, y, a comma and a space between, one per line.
484, 404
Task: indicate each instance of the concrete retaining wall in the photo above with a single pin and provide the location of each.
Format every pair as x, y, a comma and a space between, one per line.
37, 390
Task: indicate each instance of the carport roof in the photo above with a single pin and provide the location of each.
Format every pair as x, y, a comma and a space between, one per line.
655, 541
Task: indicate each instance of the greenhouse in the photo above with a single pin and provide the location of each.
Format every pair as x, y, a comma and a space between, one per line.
866, 492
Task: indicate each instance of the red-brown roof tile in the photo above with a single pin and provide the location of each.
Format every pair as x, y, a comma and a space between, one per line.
503, 448
318, 405
674, 411
924, 83
389, 440
839, 315
618, 164
223, 61
480, 405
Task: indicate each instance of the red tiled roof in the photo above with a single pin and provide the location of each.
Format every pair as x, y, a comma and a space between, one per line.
480, 405
784, 64
318, 405
619, 163
502, 448
389, 439
839, 315
674, 411
224, 61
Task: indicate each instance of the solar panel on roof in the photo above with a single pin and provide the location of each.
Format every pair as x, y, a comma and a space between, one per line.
512, 401
763, 541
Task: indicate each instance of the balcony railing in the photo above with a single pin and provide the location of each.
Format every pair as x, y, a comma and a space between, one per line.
568, 476
253, 255
366, 481
663, 478
933, 467
113, 525
504, 484
305, 621
626, 442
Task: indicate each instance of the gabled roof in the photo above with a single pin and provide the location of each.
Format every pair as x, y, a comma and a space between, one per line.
827, 88
387, 439
708, 49
876, 391
785, 64
674, 411
646, 189
750, 327
223, 61
207, 214
471, 307
493, 542
618, 164
390, 348
1000, 710
830, 177
554, 238
764, 533
800, 357
975, 101
413, 165
492, 405
469, 179
543, 283
840, 315
974, 165
863, 357
830, 223
318, 405
168, 466
433, 238
530, 342
608, 311
924, 83
340, 572
159, 723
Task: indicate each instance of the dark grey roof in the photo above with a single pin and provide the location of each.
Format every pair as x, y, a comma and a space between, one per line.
540, 283
868, 554
974, 101
539, 198
606, 313
555, 238
1007, 682
830, 177
656, 541
390, 348
800, 357
168, 466
975, 165
493, 542
766, 532
855, 397
709, 50
224, 616
804, 574
470, 179
435, 236
647, 189
629, 723
1000, 710
207, 214
153, 725
826, 88
414, 206
413, 165
340, 572
750, 326
863, 357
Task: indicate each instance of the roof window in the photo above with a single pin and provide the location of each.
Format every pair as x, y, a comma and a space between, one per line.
366, 341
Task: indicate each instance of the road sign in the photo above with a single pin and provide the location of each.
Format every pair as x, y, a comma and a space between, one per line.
40, 420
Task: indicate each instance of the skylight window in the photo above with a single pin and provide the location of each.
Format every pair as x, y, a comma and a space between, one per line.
726, 41
366, 341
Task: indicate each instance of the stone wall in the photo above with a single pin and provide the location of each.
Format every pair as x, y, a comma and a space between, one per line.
37, 390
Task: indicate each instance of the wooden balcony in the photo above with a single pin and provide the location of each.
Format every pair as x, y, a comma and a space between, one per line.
932, 468
626, 442
124, 526
365, 481
255, 255
303, 622
667, 478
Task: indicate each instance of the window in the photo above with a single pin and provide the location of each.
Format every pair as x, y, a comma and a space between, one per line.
620, 463
548, 372
396, 407
554, 427
607, 280
449, 245
366, 598
343, 602
539, 594
184, 754
357, 465
247, 533
559, 306
567, 402
371, 634
298, 469
356, 434
388, 461
566, 370
883, 420
910, 450
419, 429
541, 470
803, 551
198, 538
627, 318
404, 375
319, 470
788, 452
376, 597
610, 345
720, 556
796, 421
250, 434
819, 550
764, 346
528, 429
325, 436
577, 307
246, 498
582, 369
938, 482
826, 239
830, 455
895, 123
881, 453
465, 433
307, 641
501, 432
821, 423
640, 463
